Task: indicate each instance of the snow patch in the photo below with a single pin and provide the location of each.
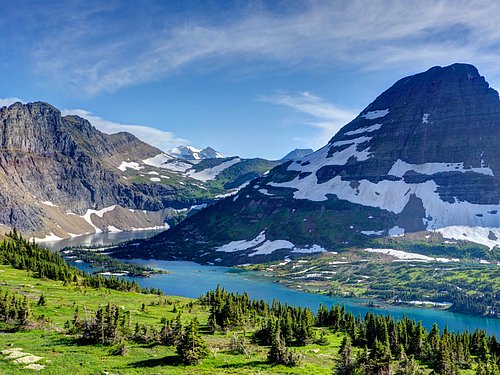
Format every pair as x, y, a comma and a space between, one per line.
243, 244
366, 129
48, 203
210, 173
270, 246
168, 162
310, 250
265, 192
373, 232
100, 213
400, 167
480, 235
48, 238
155, 227
155, 179
352, 141
404, 255
425, 118
260, 246
375, 114
396, 231
129, 165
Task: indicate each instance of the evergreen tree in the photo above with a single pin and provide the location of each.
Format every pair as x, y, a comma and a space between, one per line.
192, 348
346, 364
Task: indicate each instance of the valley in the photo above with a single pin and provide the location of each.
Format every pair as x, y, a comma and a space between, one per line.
46, 335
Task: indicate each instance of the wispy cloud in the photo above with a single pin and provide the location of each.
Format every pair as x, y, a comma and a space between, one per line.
162, 139
327, 118
8, 101
97, 55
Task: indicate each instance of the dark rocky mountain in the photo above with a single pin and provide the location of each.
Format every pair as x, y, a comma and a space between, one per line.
421, 161
60, 177
297, 154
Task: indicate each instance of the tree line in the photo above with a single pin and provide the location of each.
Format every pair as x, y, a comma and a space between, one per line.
25, 255
383, 340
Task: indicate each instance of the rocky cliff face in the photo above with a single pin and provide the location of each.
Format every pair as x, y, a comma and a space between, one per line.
53, 169
60, 176
422, 158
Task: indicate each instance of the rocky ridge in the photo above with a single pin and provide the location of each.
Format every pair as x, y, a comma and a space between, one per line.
62, 177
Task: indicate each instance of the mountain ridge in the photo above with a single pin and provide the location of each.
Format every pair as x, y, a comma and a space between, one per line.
62, 177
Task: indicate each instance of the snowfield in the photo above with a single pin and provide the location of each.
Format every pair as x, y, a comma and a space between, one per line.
260, 246
210, 173
406, 256
390, 195
482, 235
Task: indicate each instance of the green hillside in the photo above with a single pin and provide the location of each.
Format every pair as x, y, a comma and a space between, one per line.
66, 321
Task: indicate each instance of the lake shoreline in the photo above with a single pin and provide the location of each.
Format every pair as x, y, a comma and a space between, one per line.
189, 279
268, 282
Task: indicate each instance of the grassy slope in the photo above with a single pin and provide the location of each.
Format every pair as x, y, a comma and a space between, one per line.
62, 355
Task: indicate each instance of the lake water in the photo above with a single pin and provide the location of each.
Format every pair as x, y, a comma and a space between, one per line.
101, 239
191, 280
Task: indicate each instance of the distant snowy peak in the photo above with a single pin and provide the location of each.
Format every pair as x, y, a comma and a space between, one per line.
192, 153
210, 153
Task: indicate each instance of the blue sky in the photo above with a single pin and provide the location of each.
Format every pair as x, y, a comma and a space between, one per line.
249, 78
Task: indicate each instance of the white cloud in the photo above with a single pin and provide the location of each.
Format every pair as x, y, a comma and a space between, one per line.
326, 117
5, 102
97, 55
161, 139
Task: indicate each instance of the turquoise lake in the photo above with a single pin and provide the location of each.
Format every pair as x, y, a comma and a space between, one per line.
190, 279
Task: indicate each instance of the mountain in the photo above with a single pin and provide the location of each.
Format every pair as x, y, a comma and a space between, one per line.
297, 154
62, 177
420, 162
191, 153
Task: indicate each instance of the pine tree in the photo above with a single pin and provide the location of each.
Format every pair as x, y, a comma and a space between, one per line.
277, 349
192, 348
346, 364
177, 330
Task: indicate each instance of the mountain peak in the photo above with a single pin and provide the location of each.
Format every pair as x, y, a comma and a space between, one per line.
421, 160
297, 154
192, 153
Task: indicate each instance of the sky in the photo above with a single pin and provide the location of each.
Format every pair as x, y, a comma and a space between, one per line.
248, 78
